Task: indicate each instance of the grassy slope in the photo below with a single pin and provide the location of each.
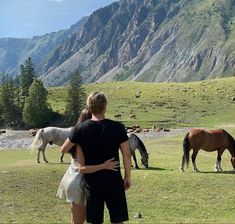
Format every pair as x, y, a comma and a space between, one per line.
161, 194
206, 103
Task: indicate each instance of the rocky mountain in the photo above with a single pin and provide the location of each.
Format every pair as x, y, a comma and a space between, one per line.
14, 51
148, 40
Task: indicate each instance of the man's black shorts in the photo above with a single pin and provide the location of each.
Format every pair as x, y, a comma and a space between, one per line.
115, 202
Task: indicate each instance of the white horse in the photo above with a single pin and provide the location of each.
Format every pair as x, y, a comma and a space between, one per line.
57, 136
51, 135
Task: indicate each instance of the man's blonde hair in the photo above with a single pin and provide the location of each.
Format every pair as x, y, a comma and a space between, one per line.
97, 102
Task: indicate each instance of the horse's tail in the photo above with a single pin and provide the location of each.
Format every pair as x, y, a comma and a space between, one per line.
186, 149
37, 138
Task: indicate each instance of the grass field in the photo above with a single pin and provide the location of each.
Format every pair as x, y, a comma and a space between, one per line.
161, 193
206, 103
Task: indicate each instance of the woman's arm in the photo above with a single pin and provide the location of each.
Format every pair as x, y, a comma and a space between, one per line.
66, 146
108, 165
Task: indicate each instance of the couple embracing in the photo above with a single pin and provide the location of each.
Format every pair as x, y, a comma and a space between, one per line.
94, 145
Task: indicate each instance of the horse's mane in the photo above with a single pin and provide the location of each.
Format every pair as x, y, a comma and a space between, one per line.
231, 140
141, 144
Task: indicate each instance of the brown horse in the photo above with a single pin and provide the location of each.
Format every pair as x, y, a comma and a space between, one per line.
208, 140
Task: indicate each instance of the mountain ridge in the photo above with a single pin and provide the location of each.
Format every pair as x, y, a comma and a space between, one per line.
14, 51
148, 40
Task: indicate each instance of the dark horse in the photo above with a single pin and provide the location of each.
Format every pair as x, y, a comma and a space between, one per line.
208, 140
136, 143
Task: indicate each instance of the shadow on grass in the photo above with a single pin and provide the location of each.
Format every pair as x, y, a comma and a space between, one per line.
56, 163
150, 168
221, 172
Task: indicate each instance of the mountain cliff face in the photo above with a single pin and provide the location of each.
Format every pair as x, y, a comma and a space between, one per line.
152, 40
148, 40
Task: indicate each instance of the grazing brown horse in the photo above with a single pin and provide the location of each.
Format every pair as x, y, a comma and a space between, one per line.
208, 140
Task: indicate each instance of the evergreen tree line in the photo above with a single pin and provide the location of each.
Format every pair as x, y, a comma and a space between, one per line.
24, 103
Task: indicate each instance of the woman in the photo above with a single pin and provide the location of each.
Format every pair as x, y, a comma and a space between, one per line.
71, 187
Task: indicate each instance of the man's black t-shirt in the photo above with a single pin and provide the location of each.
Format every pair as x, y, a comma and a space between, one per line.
100, 141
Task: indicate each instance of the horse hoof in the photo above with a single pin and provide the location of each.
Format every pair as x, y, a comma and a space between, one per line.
38, 161
181, 168
61, 161
46, 161
137, 167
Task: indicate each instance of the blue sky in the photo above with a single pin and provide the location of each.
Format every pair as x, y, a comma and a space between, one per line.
28, 18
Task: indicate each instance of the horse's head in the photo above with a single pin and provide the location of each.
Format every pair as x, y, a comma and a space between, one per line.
145, 160
232, 151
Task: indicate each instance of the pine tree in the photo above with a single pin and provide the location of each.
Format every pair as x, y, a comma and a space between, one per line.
27, 75
8, 106
36, 112
17, 96
75, 98
1, 104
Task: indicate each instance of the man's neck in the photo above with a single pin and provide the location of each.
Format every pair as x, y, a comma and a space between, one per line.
98, 117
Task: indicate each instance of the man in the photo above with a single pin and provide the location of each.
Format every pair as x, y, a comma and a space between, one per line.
100, 140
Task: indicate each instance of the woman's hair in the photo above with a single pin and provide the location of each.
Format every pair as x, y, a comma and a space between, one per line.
97, 102
84, 115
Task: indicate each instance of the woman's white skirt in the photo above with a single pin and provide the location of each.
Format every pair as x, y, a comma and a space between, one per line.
71, 186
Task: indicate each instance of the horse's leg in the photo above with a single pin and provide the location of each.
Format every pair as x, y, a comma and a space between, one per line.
135, 160
181, 168
40, 148
193, 157
43, 152
61, 158
38, 156
218, 167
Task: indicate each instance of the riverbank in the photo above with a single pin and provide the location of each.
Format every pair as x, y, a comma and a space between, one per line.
13, 139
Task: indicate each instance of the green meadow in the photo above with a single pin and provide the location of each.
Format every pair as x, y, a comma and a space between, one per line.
206, 103
161, 194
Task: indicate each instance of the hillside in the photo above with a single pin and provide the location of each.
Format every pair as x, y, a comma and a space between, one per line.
153, 41
204, 103
14, 51
142, 40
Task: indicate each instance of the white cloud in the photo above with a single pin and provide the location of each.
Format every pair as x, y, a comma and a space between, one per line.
56, 0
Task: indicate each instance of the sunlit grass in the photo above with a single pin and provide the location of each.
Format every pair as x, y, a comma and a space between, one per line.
206, 103
161, 194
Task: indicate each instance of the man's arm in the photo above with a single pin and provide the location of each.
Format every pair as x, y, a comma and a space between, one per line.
66, 146
126, 155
